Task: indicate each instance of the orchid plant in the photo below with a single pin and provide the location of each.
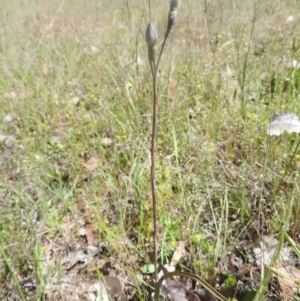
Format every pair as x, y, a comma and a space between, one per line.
177, 291
151, 39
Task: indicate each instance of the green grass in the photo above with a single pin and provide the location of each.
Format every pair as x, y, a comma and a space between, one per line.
214, 159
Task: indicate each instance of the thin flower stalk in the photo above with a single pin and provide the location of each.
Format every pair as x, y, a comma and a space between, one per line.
151, 39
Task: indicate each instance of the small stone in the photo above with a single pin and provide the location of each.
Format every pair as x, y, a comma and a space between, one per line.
95, 50
76, 100
107, 141
2, 138
191, 113
9, 118
290, 19
81, 231
139, 61
9, 142
296, 64
11, 95
55, 139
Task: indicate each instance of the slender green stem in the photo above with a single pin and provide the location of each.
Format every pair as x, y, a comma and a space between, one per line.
152, 65
153, 165
13, 275
149, 6
154, 68
161, 51
264, 283
206, 6
288, 169
242, 84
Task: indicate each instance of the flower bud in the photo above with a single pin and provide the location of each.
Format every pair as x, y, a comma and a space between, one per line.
151, 34
174, 4
171, 20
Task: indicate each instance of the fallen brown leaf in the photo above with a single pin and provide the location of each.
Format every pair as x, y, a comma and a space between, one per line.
114, 288
177, 255
178, 292
288, 279
90, 235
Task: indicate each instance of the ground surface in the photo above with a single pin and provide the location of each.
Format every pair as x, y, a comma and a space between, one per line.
75, 125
